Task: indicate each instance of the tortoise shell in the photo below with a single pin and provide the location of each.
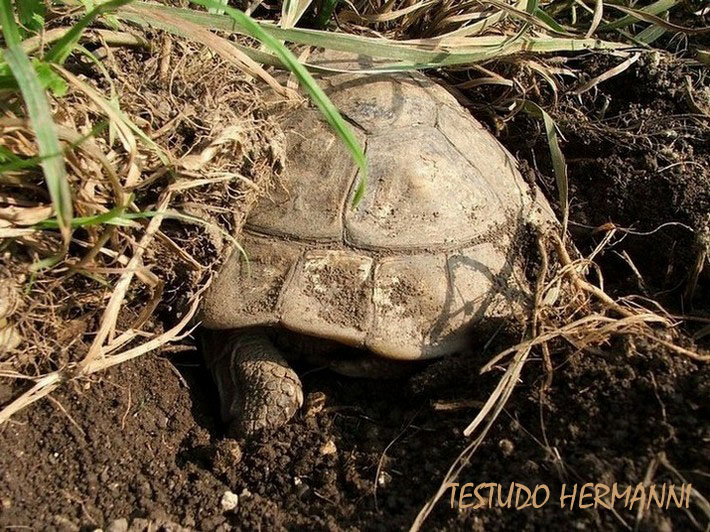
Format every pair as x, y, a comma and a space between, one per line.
434, 252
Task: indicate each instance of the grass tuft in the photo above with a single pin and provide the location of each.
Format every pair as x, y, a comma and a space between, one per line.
40, 115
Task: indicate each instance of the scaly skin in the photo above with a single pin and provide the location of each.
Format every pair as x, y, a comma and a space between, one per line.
257, 388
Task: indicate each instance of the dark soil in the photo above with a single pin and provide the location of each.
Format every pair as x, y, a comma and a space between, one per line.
638, 153
143, 442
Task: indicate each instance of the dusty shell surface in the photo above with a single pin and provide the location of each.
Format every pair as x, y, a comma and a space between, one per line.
431, 253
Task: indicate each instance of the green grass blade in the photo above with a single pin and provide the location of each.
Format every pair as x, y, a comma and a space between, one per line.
7, 155
536, 17
31, 14
480, 49
549, 21
114, 216
17, 163
40, 116
650, 34
559, 165
658, 21
326, 107
175, 215
118, 216
44, 264
657, 8
64, 46
325, 13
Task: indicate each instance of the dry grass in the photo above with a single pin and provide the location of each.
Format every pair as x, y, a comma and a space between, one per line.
164, 227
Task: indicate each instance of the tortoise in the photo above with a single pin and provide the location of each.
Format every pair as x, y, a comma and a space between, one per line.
430, 258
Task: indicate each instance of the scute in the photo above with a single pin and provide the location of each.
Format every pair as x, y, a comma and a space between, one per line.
489, 159
383, 102
411, 318
427, 305
244, 294
308, 203
422, 193
330, 296
487, 284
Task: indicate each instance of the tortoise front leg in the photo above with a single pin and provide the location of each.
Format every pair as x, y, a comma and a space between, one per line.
257, 388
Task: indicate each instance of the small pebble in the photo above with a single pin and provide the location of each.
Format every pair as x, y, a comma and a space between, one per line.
506, 447
328, 448
145, 490
227, 453
302, 489
384, 479
229, 501
235, 451
118, 525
